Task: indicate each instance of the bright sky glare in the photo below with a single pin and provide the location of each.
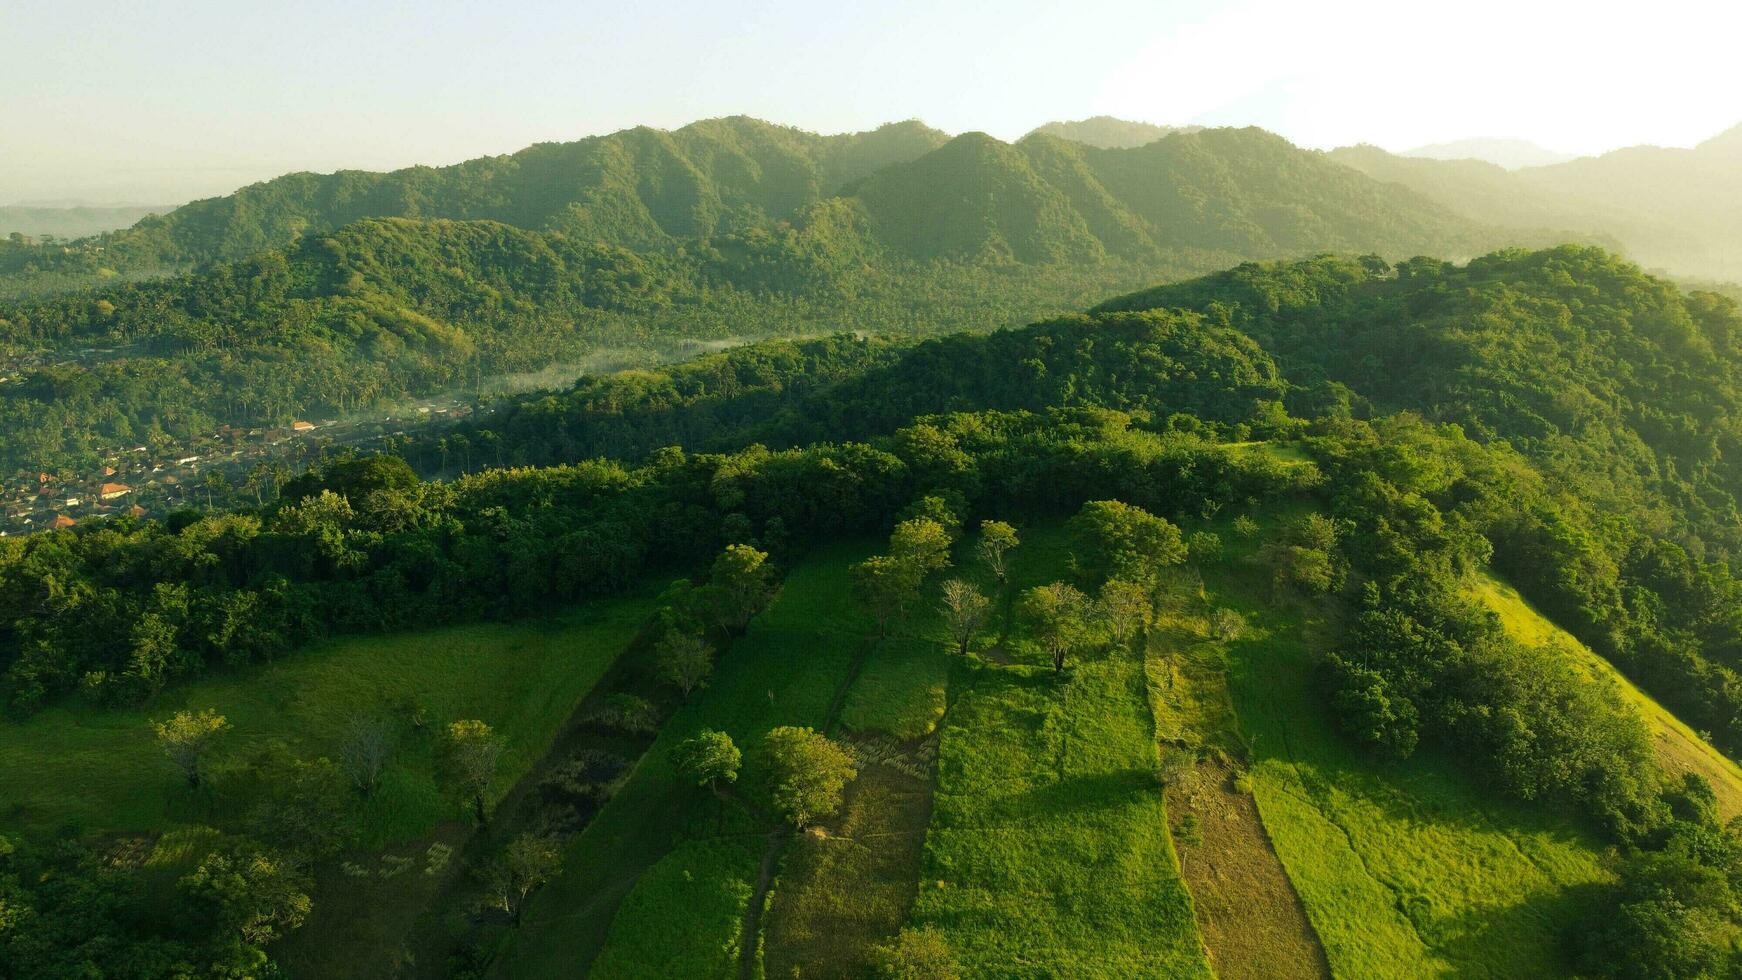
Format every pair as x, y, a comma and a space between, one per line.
116, 100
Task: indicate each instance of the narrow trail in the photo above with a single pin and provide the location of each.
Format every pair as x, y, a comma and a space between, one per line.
750, 933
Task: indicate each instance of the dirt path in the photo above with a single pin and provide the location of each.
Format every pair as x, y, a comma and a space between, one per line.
749, 934
1249, 915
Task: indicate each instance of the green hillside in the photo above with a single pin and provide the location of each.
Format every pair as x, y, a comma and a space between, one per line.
336, 295
1667, 207
1165, 639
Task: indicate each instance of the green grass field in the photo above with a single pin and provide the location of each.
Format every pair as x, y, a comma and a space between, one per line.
1406, 870
1049, 853
785, 671
1679, 748
99, 769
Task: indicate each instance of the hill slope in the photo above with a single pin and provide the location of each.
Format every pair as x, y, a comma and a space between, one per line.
1670, 208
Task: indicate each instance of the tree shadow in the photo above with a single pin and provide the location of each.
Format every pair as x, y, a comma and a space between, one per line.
1481, 943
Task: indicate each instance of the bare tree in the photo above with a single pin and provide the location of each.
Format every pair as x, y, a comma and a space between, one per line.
1125, 607
997, 539
528, 862
684, 660
965, 610
364, 746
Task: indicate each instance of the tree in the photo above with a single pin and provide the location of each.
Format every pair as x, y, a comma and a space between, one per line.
997, 540
186, 736
917, 954
243, 887
1054, 614
529, 861
742, 582
301, 805
922, 541
364, 746
683, 660
1226, 624
1112, 539
886, 585
471, 752
806, 773
1670, 916
215, 481
710, 758
1204, 547
965, 609
1126, 609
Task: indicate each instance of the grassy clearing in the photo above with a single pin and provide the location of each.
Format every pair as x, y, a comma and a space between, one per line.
686, 912
1679, 748
784, 671
99, 769
842, 892
1048, 853
901, 691
1406, 870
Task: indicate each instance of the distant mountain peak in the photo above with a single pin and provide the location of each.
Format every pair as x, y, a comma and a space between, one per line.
1109, 132
1513, 154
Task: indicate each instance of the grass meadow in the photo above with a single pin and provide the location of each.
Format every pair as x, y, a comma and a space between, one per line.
1405, 869
73, 766
1049, 853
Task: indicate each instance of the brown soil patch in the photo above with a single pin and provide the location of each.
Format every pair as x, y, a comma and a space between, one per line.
1248, 913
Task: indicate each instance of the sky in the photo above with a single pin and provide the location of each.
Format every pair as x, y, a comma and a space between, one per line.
161, 101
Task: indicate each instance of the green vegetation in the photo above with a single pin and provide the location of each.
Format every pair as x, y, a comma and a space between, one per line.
326, 295
785, 670
1679, 749
1252, 611
1048, 843
523, 678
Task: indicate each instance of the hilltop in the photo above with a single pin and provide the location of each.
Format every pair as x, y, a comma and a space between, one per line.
1508, 154
1108, 132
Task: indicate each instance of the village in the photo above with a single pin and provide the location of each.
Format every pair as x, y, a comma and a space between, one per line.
232, 466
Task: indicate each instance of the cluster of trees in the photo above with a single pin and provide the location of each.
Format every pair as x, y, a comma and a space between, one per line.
1674, 912
119, 608
804, 772
1160, 364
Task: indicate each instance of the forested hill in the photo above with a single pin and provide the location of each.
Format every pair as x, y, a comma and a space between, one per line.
1239, 192
1671, 208
1615, 381
1243, 193
724, 228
